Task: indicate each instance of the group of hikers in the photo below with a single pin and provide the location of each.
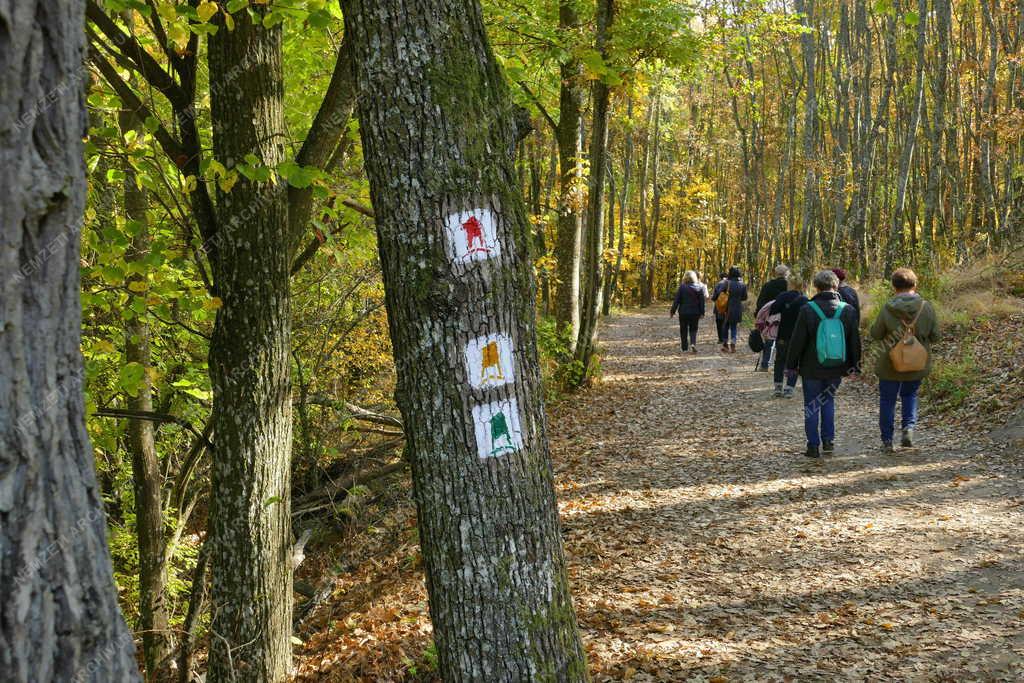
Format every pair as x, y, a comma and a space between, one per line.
818, 339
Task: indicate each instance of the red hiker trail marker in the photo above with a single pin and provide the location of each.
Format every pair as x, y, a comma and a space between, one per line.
472, 235
489, 361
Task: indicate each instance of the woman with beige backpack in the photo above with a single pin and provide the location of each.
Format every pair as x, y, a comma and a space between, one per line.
907, 326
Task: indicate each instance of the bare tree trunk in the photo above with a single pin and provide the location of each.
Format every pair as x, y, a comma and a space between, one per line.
454, 248
595, 214
569, 236
251, 596
808, 42
894, 249
147, 478
59, 617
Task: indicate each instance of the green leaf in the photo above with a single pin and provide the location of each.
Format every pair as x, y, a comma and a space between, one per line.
130, 378
911, 18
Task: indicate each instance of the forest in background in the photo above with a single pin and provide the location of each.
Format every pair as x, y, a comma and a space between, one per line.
665, 136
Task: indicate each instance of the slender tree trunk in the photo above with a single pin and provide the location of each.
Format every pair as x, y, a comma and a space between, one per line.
595, 215
943, 18
569, 236
623, 198
146, 475
649, 233
454, 246
808, 42
894, 249
59, 617
249, 366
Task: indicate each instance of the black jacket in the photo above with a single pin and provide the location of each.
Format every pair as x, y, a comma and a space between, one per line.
849, 295
737, 295
788, 304
689, 300
771, 290
803, 354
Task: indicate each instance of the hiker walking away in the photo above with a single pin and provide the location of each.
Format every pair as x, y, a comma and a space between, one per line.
769, 292
788, 306
846, 292
824, 347
729, 297
908, 326
689, 302
719, 316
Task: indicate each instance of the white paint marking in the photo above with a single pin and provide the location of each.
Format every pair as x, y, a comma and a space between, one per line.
498, 431
472, 235
489, 361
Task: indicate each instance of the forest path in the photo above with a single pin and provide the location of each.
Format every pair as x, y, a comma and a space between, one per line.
703, 546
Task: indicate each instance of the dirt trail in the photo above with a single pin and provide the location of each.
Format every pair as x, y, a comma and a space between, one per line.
704, 547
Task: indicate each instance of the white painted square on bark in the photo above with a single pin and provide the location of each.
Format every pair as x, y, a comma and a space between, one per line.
498, 430
472, 235
489, 361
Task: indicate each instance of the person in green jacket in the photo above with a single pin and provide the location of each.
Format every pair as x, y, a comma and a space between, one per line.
890, 326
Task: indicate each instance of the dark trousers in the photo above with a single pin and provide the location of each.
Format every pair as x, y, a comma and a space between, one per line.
688, 330
781, 349
766, 353
720, 327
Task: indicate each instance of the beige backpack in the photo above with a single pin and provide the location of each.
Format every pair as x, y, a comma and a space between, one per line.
909, 354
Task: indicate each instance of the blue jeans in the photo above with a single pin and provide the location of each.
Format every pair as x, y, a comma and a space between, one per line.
729, 329
766, 354
888, 392
820, 405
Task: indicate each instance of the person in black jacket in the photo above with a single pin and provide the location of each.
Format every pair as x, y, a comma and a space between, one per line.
846, 292
821, 382
737, 292
769, 292
719, 318
689, 302
788, 305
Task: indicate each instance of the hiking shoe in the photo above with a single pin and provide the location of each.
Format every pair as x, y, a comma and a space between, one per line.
812, 452
788, 392
887, 448
778, 391
725, 348
693, 349
732, 347
828, 447
908, 438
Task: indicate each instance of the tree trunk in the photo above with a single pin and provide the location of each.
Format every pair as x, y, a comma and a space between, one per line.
146, 475
595, 214
59, 617
438, 134
894, 248
569, 235
249, 365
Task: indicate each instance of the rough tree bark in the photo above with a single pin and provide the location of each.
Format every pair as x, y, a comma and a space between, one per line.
251, 596
591, 284
439, 135
146, 475
59, 617
569, 232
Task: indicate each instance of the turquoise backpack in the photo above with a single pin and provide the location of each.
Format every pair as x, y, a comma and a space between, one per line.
831, 340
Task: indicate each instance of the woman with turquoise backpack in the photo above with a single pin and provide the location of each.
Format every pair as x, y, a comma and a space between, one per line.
824, 348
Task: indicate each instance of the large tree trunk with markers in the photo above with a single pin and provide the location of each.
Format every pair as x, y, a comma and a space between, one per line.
569, 230
594, 234
146, 475
439, 133
249, 366
59, 617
